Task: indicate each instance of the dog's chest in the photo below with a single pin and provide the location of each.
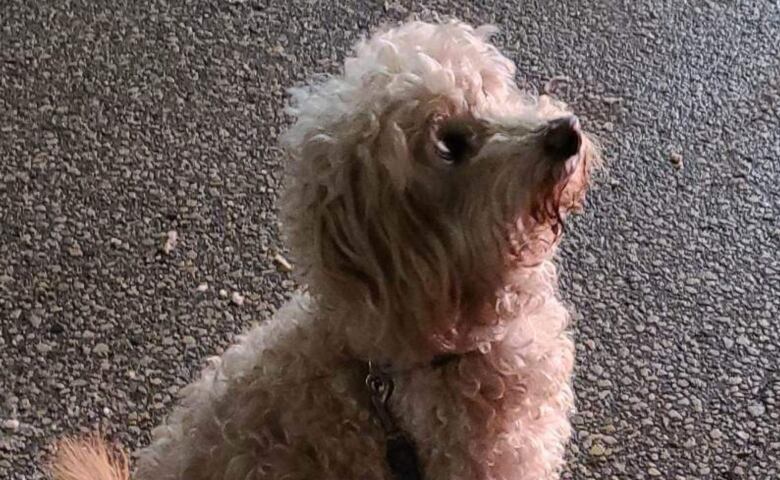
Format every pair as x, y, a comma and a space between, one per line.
473, 421
447, 425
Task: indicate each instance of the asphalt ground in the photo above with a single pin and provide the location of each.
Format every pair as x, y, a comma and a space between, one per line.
121, 121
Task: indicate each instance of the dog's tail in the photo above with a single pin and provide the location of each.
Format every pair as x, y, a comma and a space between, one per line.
89, 458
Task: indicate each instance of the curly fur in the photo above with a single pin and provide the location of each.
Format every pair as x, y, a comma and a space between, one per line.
405, 256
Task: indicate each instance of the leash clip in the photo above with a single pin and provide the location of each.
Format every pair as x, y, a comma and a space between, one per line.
400, 453
380, 386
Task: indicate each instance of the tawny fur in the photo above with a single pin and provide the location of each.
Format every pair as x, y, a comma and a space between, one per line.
404, 256
89, 459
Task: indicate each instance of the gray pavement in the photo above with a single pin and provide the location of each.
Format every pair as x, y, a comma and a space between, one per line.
121, 121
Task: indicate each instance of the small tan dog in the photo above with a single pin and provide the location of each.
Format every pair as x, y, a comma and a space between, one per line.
425, 202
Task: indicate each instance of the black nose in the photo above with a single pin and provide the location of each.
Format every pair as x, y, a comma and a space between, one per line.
562, 139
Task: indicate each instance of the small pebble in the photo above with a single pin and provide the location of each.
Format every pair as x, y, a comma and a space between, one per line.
611, 100
237, 298
171, 240
283, 263
11, 424
756, 410
597, 450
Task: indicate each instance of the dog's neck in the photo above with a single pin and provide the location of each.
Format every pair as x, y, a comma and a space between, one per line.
474, 330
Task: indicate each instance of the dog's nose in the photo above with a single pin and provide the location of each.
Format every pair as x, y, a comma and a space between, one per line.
563, 138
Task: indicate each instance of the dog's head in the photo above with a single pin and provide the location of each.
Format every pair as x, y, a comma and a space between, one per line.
422, 175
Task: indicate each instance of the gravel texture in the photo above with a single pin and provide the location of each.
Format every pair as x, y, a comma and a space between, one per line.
138, 175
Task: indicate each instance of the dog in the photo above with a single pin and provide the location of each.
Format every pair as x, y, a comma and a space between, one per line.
426, 195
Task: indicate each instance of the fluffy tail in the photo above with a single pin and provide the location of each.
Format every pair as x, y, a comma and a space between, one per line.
89, 458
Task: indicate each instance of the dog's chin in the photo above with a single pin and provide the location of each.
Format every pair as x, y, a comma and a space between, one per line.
571, 165
538, 223
548, 205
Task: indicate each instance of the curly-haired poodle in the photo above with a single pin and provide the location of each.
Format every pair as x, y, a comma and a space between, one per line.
425, 199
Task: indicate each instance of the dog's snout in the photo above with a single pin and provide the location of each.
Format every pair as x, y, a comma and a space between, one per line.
563, 138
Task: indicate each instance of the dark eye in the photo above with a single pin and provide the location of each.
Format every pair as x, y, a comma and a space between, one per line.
455, 144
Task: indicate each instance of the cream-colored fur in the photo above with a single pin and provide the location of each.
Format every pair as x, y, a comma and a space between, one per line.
408, 249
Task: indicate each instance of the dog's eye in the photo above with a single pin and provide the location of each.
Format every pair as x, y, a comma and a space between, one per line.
455, 145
